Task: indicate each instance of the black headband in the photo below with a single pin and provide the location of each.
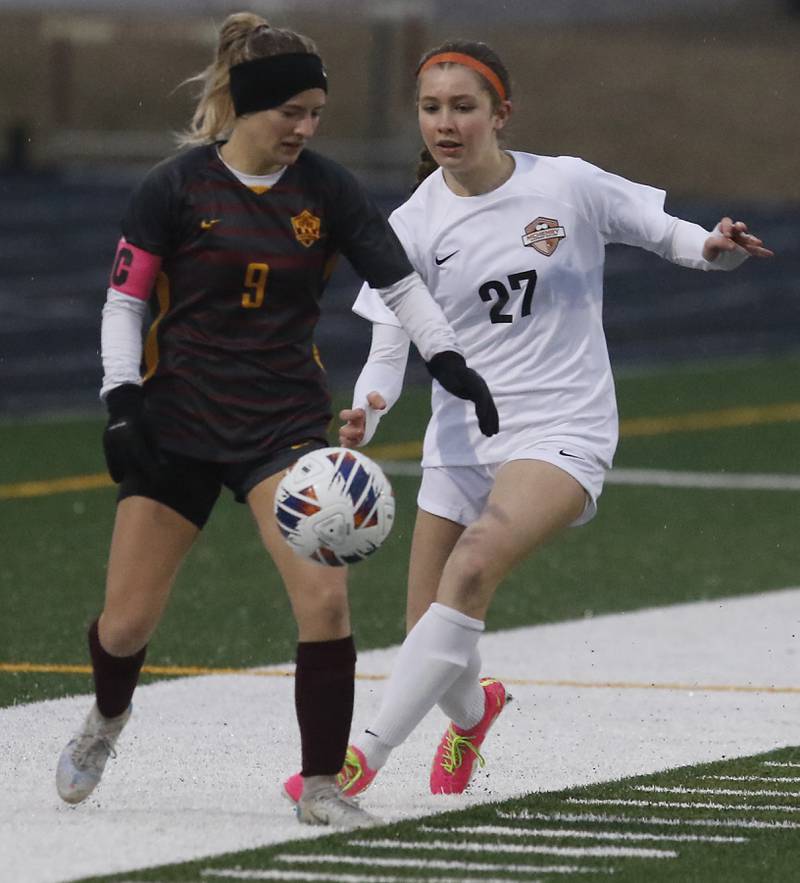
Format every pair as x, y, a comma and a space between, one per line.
268, 82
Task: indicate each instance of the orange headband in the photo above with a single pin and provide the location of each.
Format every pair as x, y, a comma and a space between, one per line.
468, 61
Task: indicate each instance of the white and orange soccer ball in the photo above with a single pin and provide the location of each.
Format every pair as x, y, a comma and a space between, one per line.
335, 506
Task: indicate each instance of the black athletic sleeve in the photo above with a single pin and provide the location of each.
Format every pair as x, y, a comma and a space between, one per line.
362, 233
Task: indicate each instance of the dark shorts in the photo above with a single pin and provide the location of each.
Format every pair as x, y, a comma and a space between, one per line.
191, 487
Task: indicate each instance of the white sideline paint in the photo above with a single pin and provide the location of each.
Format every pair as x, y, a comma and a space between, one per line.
654, 821
771, 779
518, 848
328, 877
509, 831
717, 792
726, 481
201, 763
684, 804
431, 864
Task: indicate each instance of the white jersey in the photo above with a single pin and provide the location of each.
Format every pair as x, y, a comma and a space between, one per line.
518, 273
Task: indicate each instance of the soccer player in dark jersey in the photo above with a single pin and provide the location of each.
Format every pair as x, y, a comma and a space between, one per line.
230, 244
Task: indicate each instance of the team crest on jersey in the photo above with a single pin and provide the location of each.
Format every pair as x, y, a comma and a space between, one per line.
306, 228
543, 234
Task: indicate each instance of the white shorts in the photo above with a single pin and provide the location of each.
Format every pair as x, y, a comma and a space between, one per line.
459, 493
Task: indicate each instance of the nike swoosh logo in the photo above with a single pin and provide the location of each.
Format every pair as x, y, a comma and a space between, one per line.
440, 261
207, 225
567, 454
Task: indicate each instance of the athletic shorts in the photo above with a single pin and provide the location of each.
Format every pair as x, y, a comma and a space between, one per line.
459, 493
191, 487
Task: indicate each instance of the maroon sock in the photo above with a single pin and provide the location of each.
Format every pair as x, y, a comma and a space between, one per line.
115, 677
323, 696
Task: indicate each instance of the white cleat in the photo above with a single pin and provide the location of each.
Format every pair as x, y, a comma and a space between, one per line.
82, 762
325, 805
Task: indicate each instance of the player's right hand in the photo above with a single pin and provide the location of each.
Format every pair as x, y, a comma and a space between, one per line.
358, 428
731, 236
128, 441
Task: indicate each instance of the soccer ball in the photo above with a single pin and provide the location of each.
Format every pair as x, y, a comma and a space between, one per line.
334, 506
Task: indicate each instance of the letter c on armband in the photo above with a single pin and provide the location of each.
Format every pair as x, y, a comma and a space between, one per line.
119, 275
134, 270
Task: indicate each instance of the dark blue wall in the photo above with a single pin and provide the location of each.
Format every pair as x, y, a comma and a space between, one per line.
58, 234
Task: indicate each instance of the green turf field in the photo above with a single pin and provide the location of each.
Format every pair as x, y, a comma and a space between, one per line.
648, 546
664, 828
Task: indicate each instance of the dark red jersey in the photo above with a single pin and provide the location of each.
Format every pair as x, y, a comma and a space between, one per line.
231, 371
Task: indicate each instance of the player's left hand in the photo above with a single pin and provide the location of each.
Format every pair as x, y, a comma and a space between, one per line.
450, 369
730, 235
358, 428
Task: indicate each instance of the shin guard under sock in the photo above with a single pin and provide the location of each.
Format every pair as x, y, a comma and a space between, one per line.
115, 677
323, 694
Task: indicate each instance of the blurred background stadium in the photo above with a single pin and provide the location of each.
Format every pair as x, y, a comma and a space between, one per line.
696, 96
699, 97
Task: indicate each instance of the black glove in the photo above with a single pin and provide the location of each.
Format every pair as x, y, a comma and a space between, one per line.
128, 440
451, 370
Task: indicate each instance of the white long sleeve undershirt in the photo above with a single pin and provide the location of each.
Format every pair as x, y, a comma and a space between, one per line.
121, 340
683, 245
383, 372
420, 315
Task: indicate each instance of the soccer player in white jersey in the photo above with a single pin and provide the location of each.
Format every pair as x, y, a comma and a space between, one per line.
512, 247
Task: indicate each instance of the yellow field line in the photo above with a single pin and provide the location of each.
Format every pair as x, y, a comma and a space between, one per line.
196, 670
704, 420
54, 486
411, 450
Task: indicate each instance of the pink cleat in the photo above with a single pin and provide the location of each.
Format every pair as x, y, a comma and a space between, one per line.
353, 778
455, 757
293, 788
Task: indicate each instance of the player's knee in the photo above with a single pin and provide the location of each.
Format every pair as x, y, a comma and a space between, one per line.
325, 605
124, 636
471, 568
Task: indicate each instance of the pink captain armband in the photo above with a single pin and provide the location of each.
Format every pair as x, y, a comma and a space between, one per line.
134, 270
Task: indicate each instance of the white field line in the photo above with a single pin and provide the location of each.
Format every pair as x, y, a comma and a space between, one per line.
236, 874
727, 481
716, 792
773, 779
677, 804
781, 763
197, 775
605, 819
570, 851
436, 864
508, 831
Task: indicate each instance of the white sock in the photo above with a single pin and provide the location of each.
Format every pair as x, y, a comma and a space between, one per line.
465, 702
434, 655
